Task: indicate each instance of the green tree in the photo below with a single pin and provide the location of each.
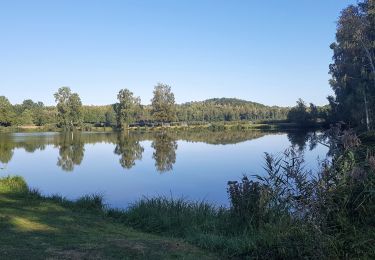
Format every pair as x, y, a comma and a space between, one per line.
128, 108
353, 67
228, 109
25, 118
40, 115
30, 112
110, 117
299, 114
6, 112
163, 104
69, 108
314, 113
31, 105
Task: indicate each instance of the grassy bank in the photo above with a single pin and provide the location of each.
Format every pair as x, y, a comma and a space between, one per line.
35, 227
221, 230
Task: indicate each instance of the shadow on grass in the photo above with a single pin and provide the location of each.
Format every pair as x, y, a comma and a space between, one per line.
36, 227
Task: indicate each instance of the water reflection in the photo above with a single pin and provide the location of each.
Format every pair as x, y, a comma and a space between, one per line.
71, 150
129, 148
300, 140
202, 162
165, 147
128, 145
6, 150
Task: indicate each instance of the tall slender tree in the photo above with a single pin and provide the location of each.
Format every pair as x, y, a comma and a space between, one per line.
163, 104
353, 67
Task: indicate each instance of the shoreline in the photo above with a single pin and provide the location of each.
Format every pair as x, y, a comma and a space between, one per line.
215, 126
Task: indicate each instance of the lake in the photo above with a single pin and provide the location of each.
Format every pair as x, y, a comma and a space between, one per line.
124, 167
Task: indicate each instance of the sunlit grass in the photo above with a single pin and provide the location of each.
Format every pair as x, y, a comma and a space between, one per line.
37, 227
25, 224
14, 184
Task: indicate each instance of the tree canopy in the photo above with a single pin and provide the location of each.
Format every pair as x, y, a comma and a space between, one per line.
353, 67
163, 104
69, 107
128, 108
6, 111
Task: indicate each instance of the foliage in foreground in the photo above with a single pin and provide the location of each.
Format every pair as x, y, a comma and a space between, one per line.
289, 213
36, 227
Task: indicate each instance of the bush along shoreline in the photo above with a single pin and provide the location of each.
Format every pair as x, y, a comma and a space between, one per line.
288, 213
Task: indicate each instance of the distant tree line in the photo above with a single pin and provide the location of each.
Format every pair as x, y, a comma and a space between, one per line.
70, 113
27, 113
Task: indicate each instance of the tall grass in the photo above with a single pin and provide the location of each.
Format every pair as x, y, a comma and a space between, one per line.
16, 186
254, 226
286, 214
91, 202
221, 229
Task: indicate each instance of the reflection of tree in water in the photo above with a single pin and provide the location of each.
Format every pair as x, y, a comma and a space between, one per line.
33, 146
300, 139
165, 151
71, 144
218, 137
71, 150
6, 150
8, 144
129, 148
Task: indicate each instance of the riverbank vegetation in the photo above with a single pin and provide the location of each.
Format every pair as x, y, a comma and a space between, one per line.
289, 213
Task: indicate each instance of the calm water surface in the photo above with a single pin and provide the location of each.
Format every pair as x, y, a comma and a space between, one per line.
126, 166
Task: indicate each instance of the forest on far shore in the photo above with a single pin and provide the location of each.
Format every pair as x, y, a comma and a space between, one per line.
128, 110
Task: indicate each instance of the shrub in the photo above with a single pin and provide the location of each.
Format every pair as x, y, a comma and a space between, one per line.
91, 202
13, 184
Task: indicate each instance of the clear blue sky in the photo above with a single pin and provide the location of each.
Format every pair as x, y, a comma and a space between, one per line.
272, 52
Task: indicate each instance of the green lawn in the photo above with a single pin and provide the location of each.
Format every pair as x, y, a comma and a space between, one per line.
33, 227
